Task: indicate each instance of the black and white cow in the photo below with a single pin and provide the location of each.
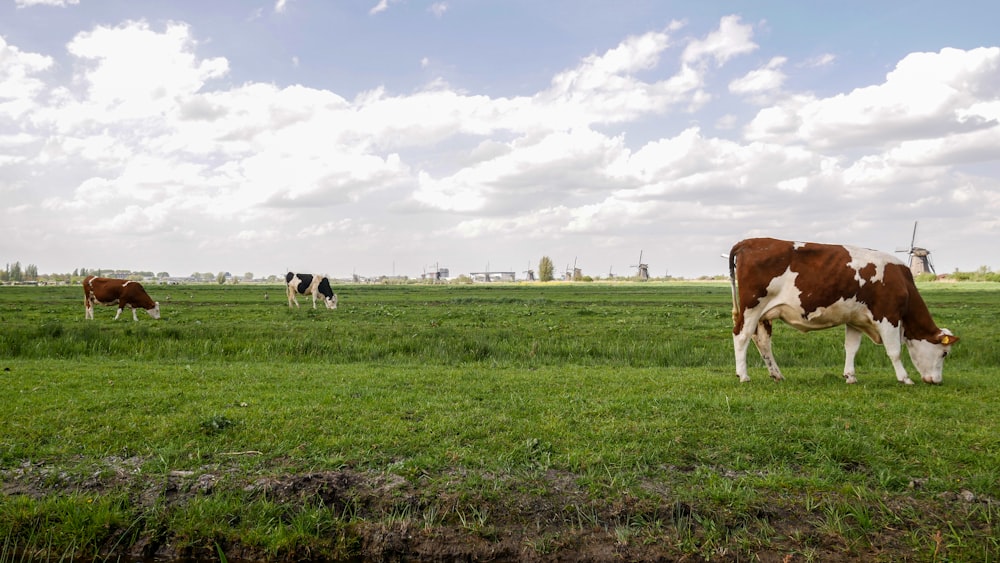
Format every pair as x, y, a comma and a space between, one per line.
309, 284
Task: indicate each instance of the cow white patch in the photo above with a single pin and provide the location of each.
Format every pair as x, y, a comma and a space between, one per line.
842, 312
783, 298
861, 257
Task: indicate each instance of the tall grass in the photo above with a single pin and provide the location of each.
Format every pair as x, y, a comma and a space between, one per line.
682, 325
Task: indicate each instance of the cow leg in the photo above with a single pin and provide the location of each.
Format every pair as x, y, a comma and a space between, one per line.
892, 340
314, 299
134, 316
119, 313
291, 297
852, 341
88, 309
762, 338
741, 341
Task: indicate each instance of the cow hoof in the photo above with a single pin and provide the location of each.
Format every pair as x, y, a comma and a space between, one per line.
744, 378
850, 379
907, 381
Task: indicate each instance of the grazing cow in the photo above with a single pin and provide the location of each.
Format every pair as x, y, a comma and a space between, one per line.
815, 286
308, 284
124, 293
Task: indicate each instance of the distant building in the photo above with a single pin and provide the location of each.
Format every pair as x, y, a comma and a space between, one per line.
440, 274
489, 277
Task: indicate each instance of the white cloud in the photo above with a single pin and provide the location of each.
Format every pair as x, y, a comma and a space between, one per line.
927, 95
606, 88
21, 79
727, 122
731, 39
573, 162
132, 72
438, 9
822, 60
760, 81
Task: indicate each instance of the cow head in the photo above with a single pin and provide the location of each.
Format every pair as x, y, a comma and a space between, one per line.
331, 302
155, 311
928, 355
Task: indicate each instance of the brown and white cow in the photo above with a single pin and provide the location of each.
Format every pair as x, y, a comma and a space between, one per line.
815, 286
124, 293
308, 284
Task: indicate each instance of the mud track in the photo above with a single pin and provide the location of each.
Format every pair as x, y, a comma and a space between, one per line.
544, 516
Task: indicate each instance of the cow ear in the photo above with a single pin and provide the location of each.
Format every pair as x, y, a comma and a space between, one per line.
948, 339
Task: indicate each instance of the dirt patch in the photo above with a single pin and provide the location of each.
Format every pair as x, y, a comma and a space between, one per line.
538, 516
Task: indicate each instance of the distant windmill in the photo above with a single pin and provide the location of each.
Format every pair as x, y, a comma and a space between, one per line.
642, 270
920, 258
576, 274
529, 274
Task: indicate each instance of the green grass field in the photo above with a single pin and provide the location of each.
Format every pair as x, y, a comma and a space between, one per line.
527, 421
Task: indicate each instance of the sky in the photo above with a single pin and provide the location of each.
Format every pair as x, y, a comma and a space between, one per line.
393, 137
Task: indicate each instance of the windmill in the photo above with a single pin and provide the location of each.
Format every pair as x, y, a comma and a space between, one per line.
642, 270
576, 274
920, 258
529, 274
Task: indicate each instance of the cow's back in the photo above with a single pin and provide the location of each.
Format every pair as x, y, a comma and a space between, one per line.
822, 274
102, 290
134, 293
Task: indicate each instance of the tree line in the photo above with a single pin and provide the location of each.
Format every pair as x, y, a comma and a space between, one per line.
15, 273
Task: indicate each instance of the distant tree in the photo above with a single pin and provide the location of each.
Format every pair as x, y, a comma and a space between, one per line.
162, 275
14, 273
545, 269
31, 272
221, 278
248, 276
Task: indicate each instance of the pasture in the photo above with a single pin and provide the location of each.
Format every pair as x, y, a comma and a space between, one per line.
506, 422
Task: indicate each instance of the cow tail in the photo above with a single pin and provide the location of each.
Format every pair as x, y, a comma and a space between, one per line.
732, 283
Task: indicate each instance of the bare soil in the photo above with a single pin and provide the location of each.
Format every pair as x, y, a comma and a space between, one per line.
548, 516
